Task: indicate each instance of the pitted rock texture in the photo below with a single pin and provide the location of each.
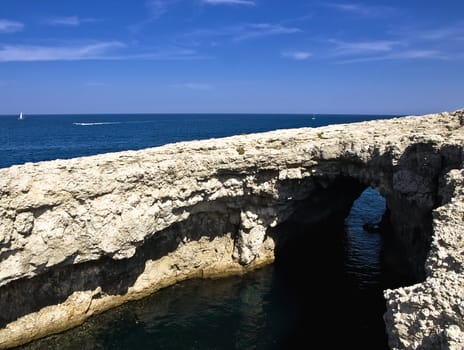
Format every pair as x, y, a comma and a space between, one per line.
430, 315
80, 236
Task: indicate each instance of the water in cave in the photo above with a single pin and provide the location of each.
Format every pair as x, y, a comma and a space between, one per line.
347, 265
325, 287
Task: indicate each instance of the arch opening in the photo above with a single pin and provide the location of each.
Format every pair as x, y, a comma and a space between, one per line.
335, 269
326, 284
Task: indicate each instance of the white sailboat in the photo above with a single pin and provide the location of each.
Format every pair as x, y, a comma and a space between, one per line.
20, 116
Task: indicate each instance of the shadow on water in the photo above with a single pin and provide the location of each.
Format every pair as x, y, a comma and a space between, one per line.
346, 265
325, 287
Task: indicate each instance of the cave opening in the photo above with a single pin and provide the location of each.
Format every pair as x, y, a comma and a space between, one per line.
333, 268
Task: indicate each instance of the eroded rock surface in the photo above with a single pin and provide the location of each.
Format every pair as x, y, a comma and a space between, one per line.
80, 236
430, 315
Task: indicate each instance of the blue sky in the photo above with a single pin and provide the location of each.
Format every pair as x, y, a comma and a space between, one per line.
258, 56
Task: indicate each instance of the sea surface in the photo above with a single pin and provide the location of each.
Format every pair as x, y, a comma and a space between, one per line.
47, 137
327, 290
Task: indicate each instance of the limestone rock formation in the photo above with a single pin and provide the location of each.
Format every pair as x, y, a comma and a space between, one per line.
430, 315
80, 236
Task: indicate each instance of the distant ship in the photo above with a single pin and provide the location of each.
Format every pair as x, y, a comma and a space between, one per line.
20, 116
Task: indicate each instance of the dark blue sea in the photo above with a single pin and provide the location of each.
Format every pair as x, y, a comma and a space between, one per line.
46, 137
327, 291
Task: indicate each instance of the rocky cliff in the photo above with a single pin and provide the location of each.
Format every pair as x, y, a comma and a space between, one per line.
80, 236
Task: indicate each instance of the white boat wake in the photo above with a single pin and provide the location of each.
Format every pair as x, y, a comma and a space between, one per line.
97, 123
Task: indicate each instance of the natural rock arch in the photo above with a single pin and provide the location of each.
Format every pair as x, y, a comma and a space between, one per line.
83, 235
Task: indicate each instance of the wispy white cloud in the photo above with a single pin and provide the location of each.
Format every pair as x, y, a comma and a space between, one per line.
439, 42
195, 86
411, 54
157, 8
166, 54
229, 2
362, 47
354, 8
111, 50
437, 34
383, 50
297, 55
404, 43
454, 31
25, 53
362, 9
260, 30
7, 26
71, 21
402, 55
244, 31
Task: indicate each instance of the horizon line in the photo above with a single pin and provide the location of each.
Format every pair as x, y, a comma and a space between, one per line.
207, 113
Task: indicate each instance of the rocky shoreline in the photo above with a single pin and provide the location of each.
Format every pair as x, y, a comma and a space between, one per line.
81, 236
